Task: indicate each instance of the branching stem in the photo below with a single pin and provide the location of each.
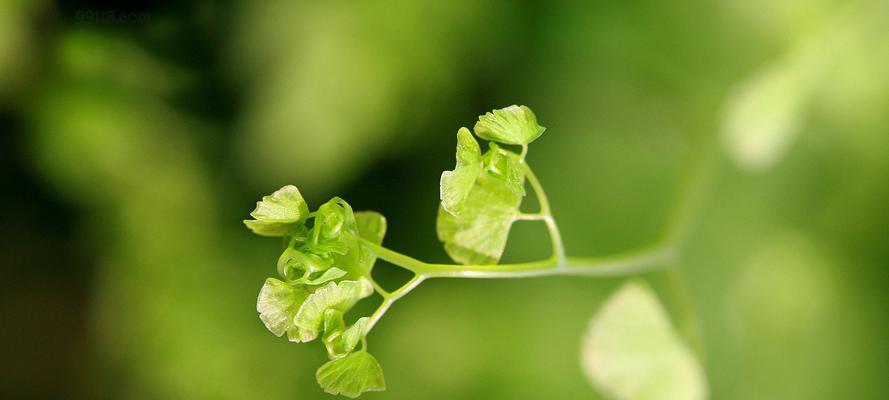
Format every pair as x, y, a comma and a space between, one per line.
664, 253
622, 264
390, 298
546, 215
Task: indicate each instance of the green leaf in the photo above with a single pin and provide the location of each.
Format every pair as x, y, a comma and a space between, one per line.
455, 185
332, 242
295, 262
335, 235
371, 227
338, 339
631, 350
510, 125
277, 213
351, 375
352, 335
333, 221
505, 165
277, 304
477, 234
329, 275
339, 296
333, 328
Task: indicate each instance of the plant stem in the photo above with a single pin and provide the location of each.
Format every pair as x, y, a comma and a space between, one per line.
687, 320
523, 153
379, 289
665, 253
694, 186
529, 217
630, 263
547, 216
390, 298
623, 264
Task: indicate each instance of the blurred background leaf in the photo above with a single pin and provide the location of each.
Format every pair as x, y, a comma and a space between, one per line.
631, 351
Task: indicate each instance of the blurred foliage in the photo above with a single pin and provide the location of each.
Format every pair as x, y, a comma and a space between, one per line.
329, 86
136, 148
18, 40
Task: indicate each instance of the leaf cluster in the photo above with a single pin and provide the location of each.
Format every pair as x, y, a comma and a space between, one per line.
323, 272
630, 351
480, 198
324, 269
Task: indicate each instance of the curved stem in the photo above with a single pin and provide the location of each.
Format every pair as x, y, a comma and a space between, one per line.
623, 264
693, 188
630, 263
379, 289
687, 320
524, 153
547, 215
635, 262
389, 299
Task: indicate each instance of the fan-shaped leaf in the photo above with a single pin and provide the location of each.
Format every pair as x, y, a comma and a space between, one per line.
339, 296
631, 351
351, 375
510, 125
277, 304
477, 234
278, 212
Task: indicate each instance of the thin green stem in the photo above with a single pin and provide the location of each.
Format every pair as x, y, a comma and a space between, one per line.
377, 287
529, 217
523, 153
693, 188
395, 258
546, 214
687, 319
391, 298
635, 262
629, 263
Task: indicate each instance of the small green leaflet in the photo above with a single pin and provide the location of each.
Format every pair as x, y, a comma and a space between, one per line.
371, 227
353, 334
510, 125
278, 212
455, 185
293, 260
505, 165
632, 352
338, 339
476, 233
331, 274
332, 242
335, 229
277, 304
351, 375
342, 297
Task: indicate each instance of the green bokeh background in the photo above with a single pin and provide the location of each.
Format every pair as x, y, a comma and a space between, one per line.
136, 138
